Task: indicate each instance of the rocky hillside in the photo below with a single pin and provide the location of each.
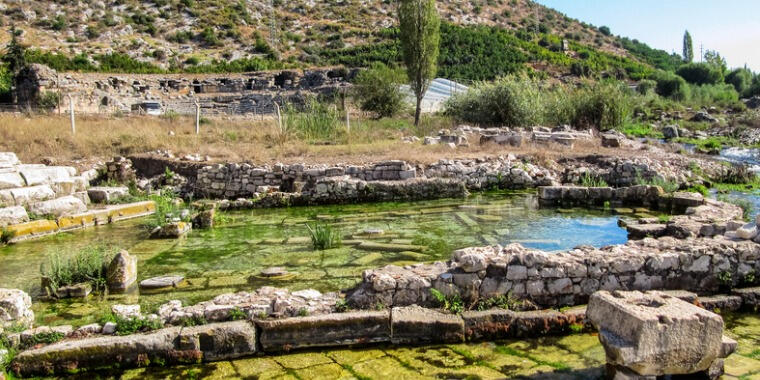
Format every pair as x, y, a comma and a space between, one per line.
176, 34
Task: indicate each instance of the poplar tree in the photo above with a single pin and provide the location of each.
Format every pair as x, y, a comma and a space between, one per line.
419, 25
688, 48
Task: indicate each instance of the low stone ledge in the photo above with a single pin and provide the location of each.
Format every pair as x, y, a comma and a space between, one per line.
106, 351
415, 325
750, 296
722, 303
362, 327
219, 341
491, 324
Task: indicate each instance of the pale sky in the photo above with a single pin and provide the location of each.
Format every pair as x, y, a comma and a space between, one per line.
732, 27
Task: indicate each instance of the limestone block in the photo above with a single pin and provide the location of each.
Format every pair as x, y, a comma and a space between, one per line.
11, 180
161, 282
13, 215
220, 341
747, 232
654, 334
684, 199
126, 311
124, 351
15, 307
122, 272
102, 194
489, 324
326, 330
46, 175
26, 195
67, 205
172, 231
641, 231
414, 324
8, 159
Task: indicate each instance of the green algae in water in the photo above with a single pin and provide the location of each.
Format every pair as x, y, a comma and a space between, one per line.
230, 258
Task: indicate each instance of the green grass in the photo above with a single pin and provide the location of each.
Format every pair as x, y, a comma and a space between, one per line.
324, 236
591, 180
129, 326
641, 130
87, 265
668, 186
710, 143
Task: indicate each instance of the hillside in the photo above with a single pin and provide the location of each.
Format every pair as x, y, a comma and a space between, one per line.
196, 35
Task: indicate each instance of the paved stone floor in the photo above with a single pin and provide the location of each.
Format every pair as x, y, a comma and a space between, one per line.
577, 356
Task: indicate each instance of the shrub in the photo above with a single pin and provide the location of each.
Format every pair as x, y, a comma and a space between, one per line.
737, 175
741, 79
166, 206
7, 235
377, 90
723, 95
646, 86
324, 236
671, 86
605, 30
87, 265
667, 186
512, 101
700, 73
603, 105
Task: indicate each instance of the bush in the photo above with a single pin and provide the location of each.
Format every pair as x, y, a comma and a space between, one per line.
700, 73
671, 86
604, 105
741, 79
512, 101
646, 86
605, 30
377, 90
722, 95
87, 265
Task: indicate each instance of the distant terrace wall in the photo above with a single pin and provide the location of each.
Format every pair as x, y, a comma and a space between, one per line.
225, 94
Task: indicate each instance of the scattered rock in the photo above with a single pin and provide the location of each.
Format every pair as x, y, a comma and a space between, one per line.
15, 308
126, 311
274, 272
122, 272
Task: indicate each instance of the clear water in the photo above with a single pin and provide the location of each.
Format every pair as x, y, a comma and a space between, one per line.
230, 258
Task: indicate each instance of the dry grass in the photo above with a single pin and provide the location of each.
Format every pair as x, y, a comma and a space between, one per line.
45, 137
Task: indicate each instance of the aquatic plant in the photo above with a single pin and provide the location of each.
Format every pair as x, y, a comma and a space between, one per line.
451, 303
167, 206
701, 189
87, 265
324, 236
592, 180
7, 235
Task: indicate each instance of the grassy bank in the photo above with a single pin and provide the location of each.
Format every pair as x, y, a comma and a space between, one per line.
38, 137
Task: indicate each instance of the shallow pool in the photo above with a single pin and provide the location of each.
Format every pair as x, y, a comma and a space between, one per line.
231, 257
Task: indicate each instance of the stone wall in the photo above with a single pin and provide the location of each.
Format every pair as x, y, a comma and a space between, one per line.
693, 262
229, 94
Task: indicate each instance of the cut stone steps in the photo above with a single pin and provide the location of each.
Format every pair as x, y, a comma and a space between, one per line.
466, 220
489, 239
367, 259
388, 247
485, 218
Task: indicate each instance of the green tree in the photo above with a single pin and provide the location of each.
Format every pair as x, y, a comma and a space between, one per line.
15, 57
419, 24
741, 79
377, 90
688, 47
714, 59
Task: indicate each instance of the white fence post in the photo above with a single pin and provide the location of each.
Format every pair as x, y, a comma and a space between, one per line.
71, 115
197, 118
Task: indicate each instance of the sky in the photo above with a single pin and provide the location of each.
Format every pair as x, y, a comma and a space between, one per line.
732, 27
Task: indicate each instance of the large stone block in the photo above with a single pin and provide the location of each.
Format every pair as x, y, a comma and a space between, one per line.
15, 307
67, 205
105, 351
122, 272
45, 175
415, 324
219, 341
103, 194
326, 330
26, 195
654, 334
489, 324
13, 215
11, 180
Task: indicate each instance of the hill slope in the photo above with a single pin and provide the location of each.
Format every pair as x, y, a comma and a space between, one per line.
182, 34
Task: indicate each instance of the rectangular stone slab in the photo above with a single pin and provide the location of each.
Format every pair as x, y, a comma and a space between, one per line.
655, 334
414, 325
343, 329
488, 324
220, 341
